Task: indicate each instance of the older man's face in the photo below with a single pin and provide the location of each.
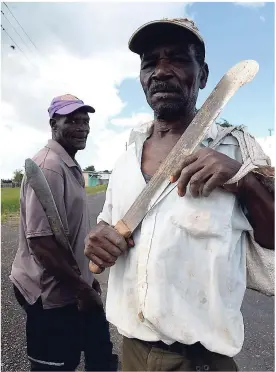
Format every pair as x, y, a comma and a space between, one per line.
171, 77
71, 131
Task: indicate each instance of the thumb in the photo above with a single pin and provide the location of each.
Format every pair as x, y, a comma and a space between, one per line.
130, 242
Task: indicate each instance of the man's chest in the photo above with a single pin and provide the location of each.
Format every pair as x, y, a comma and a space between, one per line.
154, 153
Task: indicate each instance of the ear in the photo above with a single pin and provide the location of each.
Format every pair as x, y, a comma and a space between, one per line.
53, 123
204, 76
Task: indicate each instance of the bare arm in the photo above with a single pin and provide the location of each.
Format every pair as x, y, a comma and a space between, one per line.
62, 265
259, 203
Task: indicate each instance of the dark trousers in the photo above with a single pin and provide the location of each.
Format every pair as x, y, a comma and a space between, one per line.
156, 356
56, 337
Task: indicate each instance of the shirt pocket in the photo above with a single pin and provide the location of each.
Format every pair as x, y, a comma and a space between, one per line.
203, 218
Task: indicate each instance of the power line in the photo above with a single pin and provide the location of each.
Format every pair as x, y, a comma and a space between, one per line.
15, 30
16, 45
21, 27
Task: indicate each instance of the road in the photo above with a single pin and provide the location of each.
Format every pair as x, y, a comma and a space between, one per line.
258, 311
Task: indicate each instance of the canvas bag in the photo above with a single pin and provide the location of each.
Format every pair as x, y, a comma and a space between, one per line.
260, 262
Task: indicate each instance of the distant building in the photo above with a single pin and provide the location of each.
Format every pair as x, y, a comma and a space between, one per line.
96, 178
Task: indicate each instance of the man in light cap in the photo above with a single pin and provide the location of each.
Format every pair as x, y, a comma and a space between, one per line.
62, 300
176, 295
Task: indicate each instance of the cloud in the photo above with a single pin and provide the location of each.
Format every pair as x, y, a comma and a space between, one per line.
262, 18
268, 145
133, 121
250, 4
82, 50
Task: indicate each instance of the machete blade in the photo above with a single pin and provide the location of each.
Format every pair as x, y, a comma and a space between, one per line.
235, 78
36, 179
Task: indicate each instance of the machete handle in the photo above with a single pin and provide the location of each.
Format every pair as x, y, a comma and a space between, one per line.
123, 230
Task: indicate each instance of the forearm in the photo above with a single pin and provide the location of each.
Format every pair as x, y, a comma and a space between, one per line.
259, 203
58, 262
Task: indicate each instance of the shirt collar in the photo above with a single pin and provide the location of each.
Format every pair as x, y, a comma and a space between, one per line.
141, 132
58, 149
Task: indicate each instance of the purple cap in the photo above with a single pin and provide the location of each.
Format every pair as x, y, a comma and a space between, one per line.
65, 105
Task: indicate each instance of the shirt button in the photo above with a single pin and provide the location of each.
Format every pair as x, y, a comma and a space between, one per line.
141, 316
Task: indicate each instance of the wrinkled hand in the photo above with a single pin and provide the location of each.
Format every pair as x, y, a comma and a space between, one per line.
89, 300
103, 245
206, 170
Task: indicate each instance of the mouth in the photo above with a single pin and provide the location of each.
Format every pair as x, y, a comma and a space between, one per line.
80, 139
164, 94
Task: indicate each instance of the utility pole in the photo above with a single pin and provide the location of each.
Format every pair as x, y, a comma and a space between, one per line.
126, 146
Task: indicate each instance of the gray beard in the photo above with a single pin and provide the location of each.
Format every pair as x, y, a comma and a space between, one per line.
170, 110
174, 109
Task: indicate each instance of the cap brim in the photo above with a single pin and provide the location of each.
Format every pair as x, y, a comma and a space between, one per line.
74, 107
153, 31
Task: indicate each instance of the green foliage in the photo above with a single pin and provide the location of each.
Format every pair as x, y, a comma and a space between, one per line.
90, 168
18, 175
224, 123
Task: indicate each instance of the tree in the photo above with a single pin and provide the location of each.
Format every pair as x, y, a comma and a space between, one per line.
18, 175
106, 171
91, 168
224, 123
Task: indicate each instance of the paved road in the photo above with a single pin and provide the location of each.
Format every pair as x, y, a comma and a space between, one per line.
258, 310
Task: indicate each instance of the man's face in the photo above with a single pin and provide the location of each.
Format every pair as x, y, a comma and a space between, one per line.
171, 77
71, 131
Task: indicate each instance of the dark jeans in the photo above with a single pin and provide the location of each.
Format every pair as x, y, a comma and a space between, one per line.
56, 337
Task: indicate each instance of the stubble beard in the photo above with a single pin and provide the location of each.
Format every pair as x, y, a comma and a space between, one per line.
170, 111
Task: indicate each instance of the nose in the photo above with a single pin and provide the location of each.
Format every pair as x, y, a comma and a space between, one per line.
163, 70
84, 129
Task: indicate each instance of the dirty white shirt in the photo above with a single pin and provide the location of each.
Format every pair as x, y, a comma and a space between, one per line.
185, 278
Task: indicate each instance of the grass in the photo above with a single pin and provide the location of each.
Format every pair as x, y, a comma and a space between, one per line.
10, 200
95, 189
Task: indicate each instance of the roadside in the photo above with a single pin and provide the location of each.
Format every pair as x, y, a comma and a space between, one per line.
10, 200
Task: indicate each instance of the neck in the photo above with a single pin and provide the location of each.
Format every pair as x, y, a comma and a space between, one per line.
177, 126
71, 152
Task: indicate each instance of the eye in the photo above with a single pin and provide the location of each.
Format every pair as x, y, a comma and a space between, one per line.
181, 59
148, 64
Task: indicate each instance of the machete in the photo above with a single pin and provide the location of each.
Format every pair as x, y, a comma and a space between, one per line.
235, 78
36, 179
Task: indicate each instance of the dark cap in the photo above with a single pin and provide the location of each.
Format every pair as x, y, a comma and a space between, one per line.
66, 104
156, 30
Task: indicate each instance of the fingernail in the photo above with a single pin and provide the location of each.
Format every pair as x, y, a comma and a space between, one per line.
181, 193
171, 179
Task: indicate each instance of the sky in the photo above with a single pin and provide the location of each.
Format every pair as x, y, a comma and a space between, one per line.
81, 49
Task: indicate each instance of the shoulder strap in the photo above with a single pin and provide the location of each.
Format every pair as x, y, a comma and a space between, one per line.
253, 156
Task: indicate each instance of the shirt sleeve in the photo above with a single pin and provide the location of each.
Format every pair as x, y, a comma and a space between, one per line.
36, 220
106, 214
